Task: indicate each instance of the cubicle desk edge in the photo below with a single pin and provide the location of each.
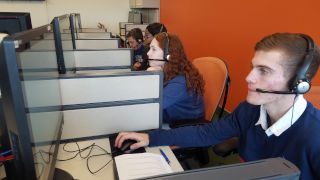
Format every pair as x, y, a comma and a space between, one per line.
272, 169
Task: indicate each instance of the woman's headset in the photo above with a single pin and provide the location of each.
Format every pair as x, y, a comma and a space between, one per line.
166, 55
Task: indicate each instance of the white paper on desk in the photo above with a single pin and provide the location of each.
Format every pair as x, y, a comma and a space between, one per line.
133, 166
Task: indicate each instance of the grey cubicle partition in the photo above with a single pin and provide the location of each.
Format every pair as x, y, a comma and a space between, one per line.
111, 43
63, 36
82, 35
102, 60
87, 44
46, 44
79, 61
40, 62
271, 169
87, 30
107, 103
93, 35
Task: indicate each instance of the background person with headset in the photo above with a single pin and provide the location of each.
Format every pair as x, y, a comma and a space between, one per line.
135, 41
275, 120
183, 85
152, 30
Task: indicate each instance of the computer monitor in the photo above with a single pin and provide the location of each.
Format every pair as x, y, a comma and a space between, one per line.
32, 107
14, 22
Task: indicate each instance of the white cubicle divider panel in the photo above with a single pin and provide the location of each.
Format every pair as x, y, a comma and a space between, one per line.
109, 89
92, 30
64, 36
85, 30
111, 43
41, 120
105, 104
103, 59
114, 70
41, 63
108, 120
37, 91
93, 35
37, 60
48, 44
87, 35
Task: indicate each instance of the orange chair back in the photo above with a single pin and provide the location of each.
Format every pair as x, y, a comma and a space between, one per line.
216, 75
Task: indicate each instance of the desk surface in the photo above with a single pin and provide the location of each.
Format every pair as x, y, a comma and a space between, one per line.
77, 167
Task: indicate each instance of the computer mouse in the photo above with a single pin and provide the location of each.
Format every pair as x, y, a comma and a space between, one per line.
126, 145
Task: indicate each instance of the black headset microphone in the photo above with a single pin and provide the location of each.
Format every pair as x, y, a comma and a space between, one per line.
157, 60
274, 92
299, 84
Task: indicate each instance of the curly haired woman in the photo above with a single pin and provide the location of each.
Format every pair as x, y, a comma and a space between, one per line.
183, 85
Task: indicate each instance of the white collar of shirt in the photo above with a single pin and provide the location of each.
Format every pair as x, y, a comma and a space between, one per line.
286, 120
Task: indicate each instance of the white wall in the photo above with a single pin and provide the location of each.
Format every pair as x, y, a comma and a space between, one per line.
108, 12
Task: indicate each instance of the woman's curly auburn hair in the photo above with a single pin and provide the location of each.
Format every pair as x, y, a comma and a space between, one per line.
179, 64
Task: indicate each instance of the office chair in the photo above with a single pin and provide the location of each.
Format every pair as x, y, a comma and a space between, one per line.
216, 76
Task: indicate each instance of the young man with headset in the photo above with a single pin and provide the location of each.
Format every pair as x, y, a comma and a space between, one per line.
275, 120
135, 41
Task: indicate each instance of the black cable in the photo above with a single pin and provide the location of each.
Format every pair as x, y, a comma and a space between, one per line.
106, 153
42, 151
93, 172
41, 154
79, 152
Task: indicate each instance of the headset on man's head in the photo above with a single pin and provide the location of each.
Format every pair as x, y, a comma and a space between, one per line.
299, 84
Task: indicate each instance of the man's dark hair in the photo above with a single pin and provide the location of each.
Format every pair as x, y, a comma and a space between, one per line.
136, 34
295, 49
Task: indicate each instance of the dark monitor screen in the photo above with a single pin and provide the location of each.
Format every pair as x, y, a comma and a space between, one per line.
14, 22
31, 103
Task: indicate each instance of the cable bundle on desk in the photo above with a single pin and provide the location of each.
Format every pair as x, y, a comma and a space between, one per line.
79, 152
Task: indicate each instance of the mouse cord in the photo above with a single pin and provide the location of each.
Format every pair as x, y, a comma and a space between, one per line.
79, 151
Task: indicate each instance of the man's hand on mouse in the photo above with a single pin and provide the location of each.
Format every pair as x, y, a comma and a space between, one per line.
141, 138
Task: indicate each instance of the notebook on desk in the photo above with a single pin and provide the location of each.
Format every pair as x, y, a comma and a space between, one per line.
140, 165
116, 151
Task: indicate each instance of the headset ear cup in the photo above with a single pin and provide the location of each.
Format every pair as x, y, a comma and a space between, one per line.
303, 87
168, 57
166, 49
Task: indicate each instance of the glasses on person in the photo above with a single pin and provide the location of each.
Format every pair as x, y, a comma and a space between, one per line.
148, 36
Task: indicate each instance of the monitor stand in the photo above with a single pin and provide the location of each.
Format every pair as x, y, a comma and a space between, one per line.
61, 174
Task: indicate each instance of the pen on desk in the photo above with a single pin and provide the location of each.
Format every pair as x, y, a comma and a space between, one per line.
165, 157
